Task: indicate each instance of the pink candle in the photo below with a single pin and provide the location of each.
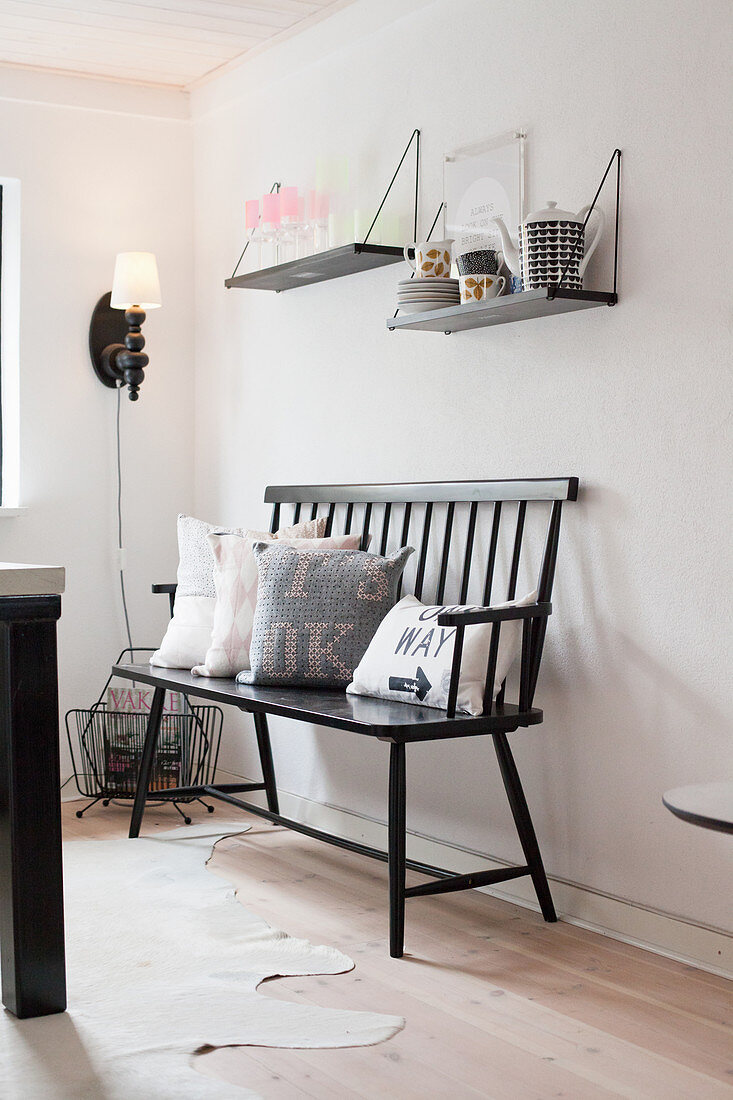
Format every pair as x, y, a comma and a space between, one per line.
271, 208
289, 202
252, 213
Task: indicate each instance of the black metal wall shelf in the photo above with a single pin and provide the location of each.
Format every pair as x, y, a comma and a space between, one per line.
346, 260
336, 262
501, 311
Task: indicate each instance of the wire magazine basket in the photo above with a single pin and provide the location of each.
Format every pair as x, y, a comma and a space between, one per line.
106, 743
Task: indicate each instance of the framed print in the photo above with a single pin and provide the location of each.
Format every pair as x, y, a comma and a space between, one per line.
482, 181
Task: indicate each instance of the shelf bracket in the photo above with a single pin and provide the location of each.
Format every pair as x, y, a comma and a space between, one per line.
275, 187
416, 138
553, 289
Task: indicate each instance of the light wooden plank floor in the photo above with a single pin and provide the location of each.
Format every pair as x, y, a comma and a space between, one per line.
498, 1004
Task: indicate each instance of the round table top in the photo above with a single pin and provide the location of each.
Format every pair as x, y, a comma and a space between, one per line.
707, 804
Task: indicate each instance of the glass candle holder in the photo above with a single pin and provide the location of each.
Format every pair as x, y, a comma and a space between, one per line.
304, 231
289, 224
251, 224
320, 221
270, 230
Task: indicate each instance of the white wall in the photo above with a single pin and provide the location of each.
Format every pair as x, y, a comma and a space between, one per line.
103, 169
309, 386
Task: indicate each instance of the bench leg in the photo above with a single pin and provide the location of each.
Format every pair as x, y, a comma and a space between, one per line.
396, 850
525, 828
146, 761
268, 769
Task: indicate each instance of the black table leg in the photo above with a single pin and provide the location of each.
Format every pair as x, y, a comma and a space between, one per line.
146, 761
396, 850
31, 876
268, 768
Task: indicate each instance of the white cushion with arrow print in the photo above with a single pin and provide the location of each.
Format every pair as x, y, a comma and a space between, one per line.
409, 658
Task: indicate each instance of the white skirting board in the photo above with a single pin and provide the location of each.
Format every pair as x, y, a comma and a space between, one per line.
662, 933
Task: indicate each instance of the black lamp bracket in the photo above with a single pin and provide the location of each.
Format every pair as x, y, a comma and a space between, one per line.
116, 346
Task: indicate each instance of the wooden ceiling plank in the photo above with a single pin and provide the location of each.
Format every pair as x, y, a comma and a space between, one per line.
299, 9
162, 21
13, 45
272, 13
14, 29
126, 72
44, 14
173, 11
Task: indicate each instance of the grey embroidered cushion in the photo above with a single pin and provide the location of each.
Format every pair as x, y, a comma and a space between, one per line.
317, 611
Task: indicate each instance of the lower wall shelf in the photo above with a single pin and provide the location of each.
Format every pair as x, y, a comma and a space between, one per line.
501, 311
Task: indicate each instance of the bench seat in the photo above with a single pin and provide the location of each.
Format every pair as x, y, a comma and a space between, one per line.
381, 718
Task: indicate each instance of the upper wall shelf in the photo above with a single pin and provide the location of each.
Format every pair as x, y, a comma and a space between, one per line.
499, 311
345, 260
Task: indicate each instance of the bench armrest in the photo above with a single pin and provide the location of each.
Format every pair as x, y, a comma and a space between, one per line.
534, 621
494, 614
169, 590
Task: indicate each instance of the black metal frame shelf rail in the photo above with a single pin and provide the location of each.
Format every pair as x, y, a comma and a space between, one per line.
504, 505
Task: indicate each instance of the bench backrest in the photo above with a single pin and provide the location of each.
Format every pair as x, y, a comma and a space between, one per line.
474, 539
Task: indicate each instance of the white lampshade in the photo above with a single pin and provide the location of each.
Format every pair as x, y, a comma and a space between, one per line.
136, 281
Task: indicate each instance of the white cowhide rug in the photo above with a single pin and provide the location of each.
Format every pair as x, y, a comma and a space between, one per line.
163, 960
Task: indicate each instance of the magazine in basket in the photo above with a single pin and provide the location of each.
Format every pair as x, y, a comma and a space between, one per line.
123, 746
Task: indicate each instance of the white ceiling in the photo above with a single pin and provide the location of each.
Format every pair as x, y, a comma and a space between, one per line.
169, 42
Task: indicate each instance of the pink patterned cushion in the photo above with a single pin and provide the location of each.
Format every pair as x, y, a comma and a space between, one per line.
235, 578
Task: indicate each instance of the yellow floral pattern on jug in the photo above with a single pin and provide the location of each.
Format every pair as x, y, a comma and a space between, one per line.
435, 263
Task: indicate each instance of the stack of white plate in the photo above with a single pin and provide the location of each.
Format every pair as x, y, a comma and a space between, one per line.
419, 295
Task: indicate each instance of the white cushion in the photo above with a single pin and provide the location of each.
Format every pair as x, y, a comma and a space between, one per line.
409, 658
188, 636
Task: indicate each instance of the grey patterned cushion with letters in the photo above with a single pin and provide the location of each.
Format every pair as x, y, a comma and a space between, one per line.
317, 611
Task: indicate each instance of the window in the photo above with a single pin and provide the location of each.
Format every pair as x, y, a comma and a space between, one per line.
9, 342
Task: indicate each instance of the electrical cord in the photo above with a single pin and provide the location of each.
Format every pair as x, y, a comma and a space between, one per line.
120, 547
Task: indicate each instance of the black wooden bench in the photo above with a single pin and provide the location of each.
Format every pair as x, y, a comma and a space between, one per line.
455, 525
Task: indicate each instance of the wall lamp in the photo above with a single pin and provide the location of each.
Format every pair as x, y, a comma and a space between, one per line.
115, 341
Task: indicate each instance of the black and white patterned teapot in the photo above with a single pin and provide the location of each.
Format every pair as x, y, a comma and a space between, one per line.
546, 242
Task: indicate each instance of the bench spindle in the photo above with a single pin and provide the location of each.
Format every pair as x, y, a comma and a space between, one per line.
446, 552
468, 555
420, 578
519, 531
493, 543
365, 526
385, 528
491, 669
